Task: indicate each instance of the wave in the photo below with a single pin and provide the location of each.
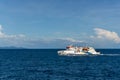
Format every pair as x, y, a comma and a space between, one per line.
92, 55
109, 54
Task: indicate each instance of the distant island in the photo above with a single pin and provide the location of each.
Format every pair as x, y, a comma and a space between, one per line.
11, 47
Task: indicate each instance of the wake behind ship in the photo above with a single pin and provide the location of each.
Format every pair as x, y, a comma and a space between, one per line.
71, 50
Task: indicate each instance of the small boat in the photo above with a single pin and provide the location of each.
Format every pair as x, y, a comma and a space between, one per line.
71, 50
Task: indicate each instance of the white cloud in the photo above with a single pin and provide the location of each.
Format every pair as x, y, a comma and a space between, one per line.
0, 27
6, 36
106, 35
72, 40
11, 40
1, 33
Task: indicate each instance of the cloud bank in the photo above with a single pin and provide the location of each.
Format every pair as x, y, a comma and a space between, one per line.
103, 34
21, 40
101, 38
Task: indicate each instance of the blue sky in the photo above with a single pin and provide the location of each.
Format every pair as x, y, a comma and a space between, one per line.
57, 23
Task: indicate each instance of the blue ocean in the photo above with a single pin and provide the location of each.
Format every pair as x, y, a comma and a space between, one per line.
46, 64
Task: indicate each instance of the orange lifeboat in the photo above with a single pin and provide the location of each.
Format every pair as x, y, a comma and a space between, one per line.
85, 49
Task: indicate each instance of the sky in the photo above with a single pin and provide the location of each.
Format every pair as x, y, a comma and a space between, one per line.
58, 23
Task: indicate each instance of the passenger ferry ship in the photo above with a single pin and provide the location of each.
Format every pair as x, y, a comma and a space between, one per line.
71, 50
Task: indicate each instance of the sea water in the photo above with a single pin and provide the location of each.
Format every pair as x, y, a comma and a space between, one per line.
46, 64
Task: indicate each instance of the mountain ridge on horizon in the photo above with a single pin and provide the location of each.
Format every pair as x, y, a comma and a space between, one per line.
11, 47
